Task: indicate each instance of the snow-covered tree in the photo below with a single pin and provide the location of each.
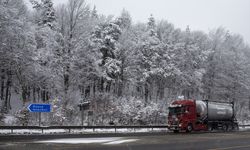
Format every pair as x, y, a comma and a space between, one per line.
75, 28
150, 57
105, 38
47, 48
16, 50
46, 13
124, 20
191, 61
94, 13
58, 116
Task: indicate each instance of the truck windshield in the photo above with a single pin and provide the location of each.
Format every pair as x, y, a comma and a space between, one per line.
175, 110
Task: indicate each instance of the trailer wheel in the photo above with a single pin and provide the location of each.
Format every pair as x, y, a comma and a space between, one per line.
224, 127
230, 127
236, 127
189, 128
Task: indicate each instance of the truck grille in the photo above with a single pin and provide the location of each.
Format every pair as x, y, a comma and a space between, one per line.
175, 123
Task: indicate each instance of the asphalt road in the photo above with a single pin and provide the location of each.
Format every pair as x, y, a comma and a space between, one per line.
154, 141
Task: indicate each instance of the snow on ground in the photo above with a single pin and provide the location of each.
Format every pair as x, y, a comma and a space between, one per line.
9, 119
120, 141
51, 131
106, 141
20, 131
244, 128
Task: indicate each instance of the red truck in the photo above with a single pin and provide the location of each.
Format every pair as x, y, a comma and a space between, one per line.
189, 115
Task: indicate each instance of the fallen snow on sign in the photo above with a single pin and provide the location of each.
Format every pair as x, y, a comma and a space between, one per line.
106, 141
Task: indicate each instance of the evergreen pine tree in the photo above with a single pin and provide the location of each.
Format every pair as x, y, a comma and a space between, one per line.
46, 13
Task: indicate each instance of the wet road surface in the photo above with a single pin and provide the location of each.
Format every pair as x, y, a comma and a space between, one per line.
161, 141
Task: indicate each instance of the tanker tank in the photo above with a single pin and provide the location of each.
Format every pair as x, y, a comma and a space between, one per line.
216, 110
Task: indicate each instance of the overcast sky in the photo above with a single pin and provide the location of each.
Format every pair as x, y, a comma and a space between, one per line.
204, 15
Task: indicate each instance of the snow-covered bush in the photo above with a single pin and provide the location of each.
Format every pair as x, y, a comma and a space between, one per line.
58, 116
9, 120
134, 111
23, 116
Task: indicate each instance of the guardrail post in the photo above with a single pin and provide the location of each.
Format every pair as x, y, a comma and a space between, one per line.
11, 131
69, 130
115, 129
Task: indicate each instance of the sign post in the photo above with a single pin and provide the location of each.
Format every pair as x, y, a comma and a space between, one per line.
83, 106
39, 108
40, 119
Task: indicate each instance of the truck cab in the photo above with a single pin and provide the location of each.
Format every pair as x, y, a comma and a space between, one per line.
183, 117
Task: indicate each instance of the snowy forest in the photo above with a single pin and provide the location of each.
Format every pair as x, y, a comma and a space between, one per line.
129, 72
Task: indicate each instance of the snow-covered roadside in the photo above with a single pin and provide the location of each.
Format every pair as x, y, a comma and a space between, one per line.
244, 128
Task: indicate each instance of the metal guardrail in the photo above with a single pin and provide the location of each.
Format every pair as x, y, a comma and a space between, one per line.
70, 128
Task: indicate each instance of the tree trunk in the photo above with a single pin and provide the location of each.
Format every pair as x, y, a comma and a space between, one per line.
9, 97
43, 95
101, 84
146, 94
2, 85
24, 94
108, 86
94, 88
249, 103
87, 92
8, 83
38, 94
66, 80
47, 96
34, 94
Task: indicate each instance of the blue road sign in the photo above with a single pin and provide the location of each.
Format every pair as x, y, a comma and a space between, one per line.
39, 107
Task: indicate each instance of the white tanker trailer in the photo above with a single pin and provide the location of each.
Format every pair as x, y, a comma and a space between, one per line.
214, 110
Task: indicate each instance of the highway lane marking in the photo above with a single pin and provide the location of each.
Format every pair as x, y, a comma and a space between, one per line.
232, 147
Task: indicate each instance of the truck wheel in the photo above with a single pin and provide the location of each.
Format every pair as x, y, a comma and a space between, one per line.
224, 127
210, 128
235, 127
189, 128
